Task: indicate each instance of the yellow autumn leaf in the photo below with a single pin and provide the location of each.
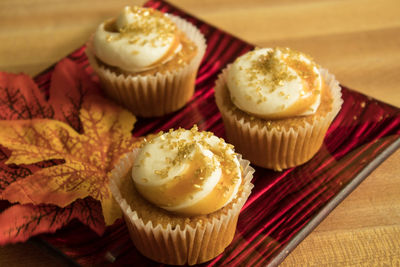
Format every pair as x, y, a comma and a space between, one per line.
89, 156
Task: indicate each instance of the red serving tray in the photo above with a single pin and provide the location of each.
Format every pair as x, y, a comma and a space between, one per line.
284, 206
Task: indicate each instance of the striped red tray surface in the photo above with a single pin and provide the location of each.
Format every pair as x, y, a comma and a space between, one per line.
284, 206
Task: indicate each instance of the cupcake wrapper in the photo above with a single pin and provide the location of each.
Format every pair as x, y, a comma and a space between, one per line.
273, 148
174, 245
153, 95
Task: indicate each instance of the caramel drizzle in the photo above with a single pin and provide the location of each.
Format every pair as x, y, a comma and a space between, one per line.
276, 74
182, 187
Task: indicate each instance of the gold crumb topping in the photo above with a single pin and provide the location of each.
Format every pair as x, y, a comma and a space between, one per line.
303, 68
152, 24
186, 148
266, 72
193, 158
270, 66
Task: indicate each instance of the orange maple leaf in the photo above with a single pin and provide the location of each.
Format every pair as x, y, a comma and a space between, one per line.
88, 157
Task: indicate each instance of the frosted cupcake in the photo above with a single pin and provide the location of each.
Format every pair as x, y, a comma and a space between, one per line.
181, 194
277, 105
147, 60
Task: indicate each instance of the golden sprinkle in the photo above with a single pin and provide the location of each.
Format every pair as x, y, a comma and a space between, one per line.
146, 25
269, 65
197, 186
162, 173
109, 38
362, 104
194, 129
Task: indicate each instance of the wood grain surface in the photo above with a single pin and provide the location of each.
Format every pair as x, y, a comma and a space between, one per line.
357, 40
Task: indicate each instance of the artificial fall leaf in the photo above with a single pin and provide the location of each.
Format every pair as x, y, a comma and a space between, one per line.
13, 173
39, 219
17, 103
89, 156
21, 99
62, 99
70, 84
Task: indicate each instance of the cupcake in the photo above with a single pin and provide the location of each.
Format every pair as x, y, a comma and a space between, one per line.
146, 60
181, 194
277, 105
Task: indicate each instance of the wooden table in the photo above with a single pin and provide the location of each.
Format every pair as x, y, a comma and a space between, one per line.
358, 40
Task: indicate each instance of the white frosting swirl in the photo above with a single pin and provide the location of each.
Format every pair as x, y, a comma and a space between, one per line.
187, 172
275, 83
139, 39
